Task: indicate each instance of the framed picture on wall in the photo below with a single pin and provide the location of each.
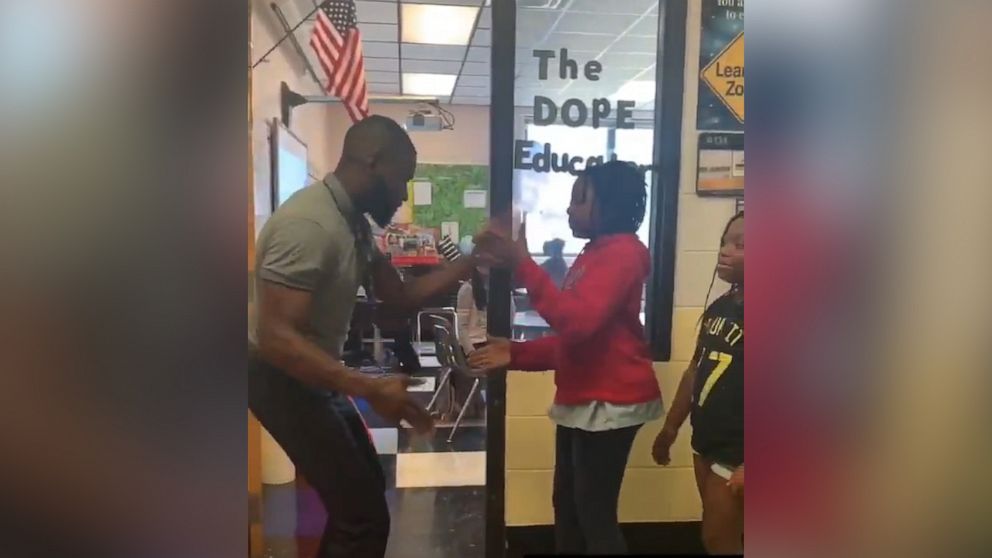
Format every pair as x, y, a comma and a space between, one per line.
720, 168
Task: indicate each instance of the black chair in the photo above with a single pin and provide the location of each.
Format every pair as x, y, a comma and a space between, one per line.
453, 361
444, 358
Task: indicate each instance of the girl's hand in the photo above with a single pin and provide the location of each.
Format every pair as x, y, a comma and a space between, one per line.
736, 482
495, 246
491, 357
663, 445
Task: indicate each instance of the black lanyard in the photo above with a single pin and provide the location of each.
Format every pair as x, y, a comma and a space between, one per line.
362, 233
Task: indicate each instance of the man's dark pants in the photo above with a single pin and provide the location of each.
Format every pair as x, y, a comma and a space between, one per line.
325, 437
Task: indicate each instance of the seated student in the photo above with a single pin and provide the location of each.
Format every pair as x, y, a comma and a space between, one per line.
473, 298
712, 391
606, 386
555, 266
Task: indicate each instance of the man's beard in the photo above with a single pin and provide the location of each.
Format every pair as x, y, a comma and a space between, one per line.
383, 213
382, 209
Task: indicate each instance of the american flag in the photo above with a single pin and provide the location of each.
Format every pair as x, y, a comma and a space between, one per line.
338, 45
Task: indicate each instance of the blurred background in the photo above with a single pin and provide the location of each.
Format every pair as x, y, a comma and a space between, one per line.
124, 186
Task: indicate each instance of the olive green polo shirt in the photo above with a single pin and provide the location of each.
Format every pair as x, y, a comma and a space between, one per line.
318, 242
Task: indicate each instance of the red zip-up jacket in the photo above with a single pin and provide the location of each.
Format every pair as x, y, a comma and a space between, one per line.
599, 351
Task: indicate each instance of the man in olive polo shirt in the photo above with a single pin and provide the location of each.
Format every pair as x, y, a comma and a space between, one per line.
312, 255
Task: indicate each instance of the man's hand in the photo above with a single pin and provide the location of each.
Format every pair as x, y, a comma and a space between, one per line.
495, 245
390, 400
736, 482
494, 355
663, 445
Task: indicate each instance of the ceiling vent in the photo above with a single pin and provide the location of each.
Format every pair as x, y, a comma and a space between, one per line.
541, 4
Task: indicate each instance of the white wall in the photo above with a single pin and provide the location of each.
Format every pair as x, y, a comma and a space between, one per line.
467, 144
314, 125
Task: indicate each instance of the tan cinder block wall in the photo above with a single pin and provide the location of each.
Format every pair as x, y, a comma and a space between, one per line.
650, 493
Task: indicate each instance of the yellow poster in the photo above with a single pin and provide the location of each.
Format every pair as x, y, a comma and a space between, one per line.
725, 76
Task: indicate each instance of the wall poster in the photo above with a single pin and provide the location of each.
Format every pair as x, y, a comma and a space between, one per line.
721, 66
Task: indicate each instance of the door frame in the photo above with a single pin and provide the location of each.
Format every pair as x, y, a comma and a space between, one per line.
670, 75
499, 320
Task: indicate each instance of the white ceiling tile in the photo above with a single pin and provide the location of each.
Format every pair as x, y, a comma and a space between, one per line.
614, 59
525, 56
376, 12
433, 52
384, 88
605, 24
476, 69
486, 19
382, 64
533, 25
382, 77
462, 91
469, 101
479, 54
380, 50
438, 25
626, 7
482, 37
431, 66
531, 38
473, 81
579, 42
530, 80
647, 27
622, 75
588, 90
643, 45
379, 32
440, 85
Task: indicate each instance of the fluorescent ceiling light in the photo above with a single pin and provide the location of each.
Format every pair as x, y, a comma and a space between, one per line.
638, 91
431, 24
429, 84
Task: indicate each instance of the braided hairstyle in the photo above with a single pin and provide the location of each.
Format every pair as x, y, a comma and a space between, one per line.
723, 238
621, 196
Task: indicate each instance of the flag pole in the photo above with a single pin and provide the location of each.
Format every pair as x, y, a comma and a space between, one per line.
287, 35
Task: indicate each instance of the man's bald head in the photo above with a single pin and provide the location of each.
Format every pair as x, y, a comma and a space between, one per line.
377, 136
377, 162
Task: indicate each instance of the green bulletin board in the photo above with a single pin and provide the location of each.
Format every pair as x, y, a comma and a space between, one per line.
449, 183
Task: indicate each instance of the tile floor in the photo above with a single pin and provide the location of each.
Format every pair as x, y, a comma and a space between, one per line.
436, 496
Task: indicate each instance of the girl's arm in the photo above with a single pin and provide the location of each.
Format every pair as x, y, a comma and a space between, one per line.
679, 411
538, 355
682, 404
528, 356
581, 311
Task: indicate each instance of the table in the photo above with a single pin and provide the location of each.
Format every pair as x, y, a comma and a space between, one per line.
529, 319
425, 348
527, 324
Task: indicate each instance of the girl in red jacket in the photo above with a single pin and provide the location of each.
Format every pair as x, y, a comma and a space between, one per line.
606, 387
